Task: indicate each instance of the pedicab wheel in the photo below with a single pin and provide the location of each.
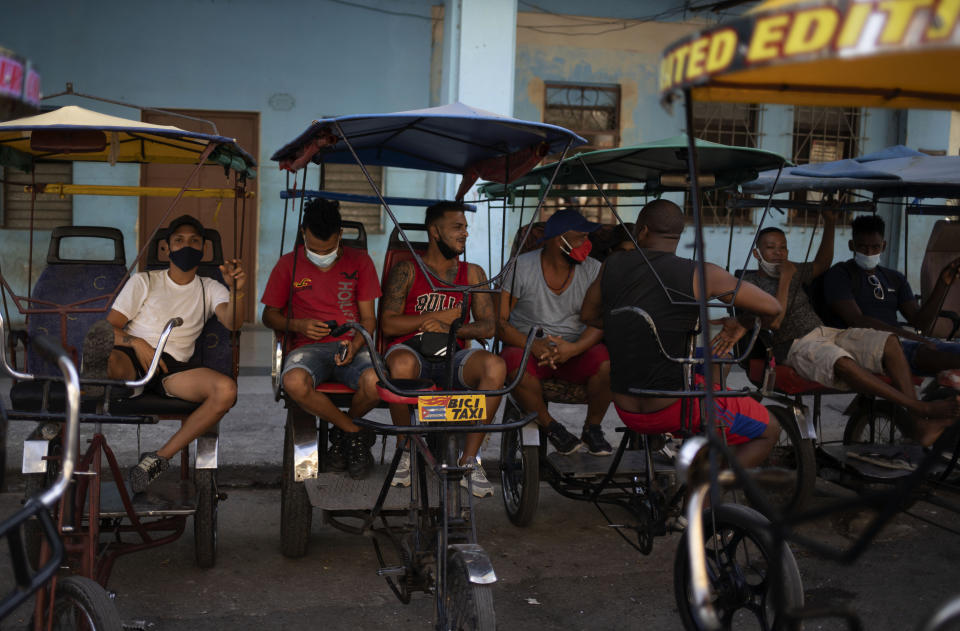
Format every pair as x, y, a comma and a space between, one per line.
878, 426
296, 512
739, 555
205, 517
519, 473
793, 453
81, 603
33, 484
469, 605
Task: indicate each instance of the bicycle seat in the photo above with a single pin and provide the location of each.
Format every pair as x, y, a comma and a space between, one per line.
421, 385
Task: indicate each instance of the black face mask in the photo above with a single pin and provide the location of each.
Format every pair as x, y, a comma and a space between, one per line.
186, 258
447, 252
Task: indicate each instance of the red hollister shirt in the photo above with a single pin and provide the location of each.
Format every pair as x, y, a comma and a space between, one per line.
331, 294
422, 299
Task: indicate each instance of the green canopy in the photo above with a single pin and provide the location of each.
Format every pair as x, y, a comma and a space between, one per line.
658, 166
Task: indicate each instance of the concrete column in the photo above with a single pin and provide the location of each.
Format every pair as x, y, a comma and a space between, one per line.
479, 58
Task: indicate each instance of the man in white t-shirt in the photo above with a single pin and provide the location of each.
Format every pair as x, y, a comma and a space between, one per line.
122, 346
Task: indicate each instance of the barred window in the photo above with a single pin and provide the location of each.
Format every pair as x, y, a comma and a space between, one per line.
50, 211
737, 124
591, 111
823, 134
349, 178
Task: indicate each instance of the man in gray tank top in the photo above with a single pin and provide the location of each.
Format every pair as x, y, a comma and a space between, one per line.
545, 287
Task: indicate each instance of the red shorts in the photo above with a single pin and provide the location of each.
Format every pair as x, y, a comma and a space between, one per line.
577, 369
742, 418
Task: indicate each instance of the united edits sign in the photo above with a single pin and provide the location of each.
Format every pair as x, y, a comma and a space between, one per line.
842, 29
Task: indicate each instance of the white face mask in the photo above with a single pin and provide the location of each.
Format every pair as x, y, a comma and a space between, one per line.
770, 269
323, 261
866, 262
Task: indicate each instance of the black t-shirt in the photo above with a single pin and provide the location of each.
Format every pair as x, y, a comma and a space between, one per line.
635, 358
879, 293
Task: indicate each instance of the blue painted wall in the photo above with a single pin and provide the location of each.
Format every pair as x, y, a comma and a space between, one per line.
223, 55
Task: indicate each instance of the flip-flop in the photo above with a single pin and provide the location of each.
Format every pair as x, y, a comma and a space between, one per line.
897, 461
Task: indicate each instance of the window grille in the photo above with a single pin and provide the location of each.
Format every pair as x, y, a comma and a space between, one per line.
823, 134
737, 124
593, 112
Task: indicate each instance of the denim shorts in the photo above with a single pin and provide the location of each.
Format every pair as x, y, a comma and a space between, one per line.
318, 360
910, 348
437, 371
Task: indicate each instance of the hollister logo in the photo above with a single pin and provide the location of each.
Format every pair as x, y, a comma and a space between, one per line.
303, 283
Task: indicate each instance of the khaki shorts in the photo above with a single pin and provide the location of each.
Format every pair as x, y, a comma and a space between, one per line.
814, 355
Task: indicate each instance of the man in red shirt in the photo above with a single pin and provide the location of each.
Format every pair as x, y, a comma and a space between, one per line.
411, 308
322, 281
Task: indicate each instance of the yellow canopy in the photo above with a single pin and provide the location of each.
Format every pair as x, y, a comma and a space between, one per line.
74, 133
854, 53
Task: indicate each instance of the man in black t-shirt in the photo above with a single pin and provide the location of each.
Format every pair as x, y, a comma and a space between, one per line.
862, 293
665, 286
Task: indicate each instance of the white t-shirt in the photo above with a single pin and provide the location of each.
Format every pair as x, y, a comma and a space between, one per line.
150, 299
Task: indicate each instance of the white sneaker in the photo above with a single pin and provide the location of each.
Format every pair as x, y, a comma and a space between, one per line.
481, 485
402, 475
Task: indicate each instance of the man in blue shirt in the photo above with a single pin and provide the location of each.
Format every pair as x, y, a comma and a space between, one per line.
862, 293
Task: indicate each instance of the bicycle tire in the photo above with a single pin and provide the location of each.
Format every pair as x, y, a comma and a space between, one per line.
81, 603
796, 454
470, 605
877, 428
296, 512
519, 473
730, 581
205, 518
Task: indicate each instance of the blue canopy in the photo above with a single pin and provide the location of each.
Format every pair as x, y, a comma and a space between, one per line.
448, 139
896, 171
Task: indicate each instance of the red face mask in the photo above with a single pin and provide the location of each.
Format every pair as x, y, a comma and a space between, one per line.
579, 253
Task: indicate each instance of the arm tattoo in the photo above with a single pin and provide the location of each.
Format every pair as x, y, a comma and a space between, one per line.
398, 284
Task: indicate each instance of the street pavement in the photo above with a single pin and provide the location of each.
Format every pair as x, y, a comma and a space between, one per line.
568, 570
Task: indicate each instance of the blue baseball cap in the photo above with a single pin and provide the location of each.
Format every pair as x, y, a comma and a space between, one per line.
566, 220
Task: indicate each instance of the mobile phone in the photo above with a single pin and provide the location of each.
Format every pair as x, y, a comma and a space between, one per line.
343, 350
331, 323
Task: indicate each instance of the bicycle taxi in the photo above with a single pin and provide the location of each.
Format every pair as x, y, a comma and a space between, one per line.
100, 519
634, 487
425, 536
79, 602
861, 55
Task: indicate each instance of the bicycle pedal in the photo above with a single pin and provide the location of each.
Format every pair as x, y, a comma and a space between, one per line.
396, 570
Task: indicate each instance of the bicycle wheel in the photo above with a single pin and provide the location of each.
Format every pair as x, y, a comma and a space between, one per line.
469, 606
296, 512
739, 553
205, 517
519, 473
82, 604
795, 454
879, 426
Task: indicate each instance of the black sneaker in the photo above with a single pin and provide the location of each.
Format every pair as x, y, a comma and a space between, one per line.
596, 444
97, 346
337, 454
359, 458
147, 470
562, 440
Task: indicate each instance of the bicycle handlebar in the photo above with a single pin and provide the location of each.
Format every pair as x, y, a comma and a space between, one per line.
378, 368
439, 428
688, 360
